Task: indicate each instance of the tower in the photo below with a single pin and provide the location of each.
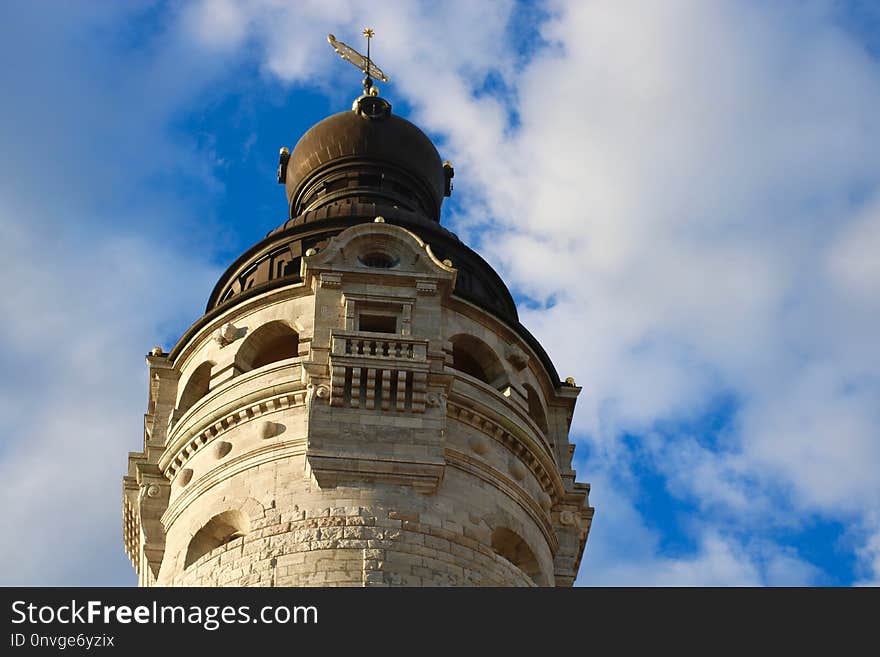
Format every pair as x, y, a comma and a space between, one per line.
359, 404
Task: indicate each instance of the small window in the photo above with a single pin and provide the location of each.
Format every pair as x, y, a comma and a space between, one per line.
335, 185
378, 260
292, 268
377, 323
370, 180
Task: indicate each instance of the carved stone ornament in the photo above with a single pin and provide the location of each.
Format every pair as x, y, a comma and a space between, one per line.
185, 476
330, 279
436, 400
517, 469
480, 444
545, 501
226, 334
320, 391
516, 357
222, 448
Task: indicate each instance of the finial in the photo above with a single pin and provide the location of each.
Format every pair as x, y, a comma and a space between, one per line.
283, 158
449, 174
368, 81
363, 64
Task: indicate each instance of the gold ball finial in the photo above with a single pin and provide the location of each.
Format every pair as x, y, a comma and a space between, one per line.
284, 151
379, 220
570, 381
156, 351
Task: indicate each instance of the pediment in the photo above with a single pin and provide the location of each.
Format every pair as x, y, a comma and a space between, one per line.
379, 249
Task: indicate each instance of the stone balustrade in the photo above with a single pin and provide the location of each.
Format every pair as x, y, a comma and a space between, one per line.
378, 371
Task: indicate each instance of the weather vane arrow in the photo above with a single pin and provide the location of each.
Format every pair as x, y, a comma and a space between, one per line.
364, 64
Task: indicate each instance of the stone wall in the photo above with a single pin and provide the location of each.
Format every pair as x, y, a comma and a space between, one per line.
352, 546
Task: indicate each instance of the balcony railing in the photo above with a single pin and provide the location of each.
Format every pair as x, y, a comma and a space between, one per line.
378, 371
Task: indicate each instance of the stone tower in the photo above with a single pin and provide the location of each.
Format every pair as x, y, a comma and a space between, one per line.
359, 404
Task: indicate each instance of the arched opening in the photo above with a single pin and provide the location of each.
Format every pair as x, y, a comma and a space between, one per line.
509, 545
536, 408
473, 356
196, 388
268, 344
219, 530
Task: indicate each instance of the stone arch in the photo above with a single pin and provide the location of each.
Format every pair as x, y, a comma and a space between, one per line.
536, 407
510, 545
270, 343
229, 519
196, 387
219, 530
473, 356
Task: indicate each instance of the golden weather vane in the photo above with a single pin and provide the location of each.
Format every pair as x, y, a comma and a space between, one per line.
364, 64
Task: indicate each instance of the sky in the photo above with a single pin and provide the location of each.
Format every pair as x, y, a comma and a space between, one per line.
684, 197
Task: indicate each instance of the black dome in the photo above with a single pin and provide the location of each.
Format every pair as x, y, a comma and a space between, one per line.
366, 155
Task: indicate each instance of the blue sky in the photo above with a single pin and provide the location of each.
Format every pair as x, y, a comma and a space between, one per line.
684, 197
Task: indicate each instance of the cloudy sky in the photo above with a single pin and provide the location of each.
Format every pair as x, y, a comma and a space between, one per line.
684, 197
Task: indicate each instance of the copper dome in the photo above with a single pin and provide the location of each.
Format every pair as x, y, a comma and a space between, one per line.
366, 155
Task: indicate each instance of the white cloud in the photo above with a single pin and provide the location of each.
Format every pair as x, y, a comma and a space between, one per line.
218, 24
75, 392
89, 258
624, 551
690, 183
869, 553
853, 260
691, 170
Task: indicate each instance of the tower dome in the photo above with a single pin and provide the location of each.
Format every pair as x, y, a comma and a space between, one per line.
366, 155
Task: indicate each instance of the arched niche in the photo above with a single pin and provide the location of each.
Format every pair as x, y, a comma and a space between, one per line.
536, 408
219, 530
474, 357
268, 344
196, 387
511, 546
